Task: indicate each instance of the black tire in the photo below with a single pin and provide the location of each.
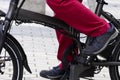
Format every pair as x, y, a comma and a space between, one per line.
114, 71
13, 67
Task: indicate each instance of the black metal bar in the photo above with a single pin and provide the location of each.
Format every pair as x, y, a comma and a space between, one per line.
106, 63
25, 15
7, 21
15, 1
99, 8
111, 18
11, 10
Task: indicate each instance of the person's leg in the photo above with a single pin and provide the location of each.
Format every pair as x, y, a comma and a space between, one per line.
78, 16
58, 71
73, 13
81, 18
64, 42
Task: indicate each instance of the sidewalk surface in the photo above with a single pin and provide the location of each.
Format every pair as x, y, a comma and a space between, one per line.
40, 44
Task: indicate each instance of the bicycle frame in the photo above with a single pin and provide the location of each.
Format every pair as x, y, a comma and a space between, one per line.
24, 16
99, 11
31, 17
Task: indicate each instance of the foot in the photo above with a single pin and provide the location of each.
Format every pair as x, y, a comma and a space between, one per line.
54, 73
97, 44
57, 73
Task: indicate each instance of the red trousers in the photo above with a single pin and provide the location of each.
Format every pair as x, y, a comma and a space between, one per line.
74, 13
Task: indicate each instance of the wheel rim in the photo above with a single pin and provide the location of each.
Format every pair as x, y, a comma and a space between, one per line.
9, 65
117, 68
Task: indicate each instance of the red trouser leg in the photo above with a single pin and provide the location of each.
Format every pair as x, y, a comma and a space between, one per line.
79, 17
64, 42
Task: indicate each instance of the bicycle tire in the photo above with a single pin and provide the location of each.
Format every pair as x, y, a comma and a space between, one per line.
17, 68
114, 71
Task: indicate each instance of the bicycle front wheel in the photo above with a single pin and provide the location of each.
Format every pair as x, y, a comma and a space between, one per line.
115, 70
11, 67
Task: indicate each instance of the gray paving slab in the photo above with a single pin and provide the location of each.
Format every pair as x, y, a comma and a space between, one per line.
40, 44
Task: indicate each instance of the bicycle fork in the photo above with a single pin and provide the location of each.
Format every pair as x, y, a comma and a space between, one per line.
4, 28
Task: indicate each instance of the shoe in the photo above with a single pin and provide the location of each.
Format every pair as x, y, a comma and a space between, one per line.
57, 73
54, 73
97, 44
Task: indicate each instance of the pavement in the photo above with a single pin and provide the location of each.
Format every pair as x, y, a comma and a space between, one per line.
40, 44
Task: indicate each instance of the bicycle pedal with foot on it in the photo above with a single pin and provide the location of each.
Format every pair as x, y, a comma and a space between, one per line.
81, 69
75, 74
76, 71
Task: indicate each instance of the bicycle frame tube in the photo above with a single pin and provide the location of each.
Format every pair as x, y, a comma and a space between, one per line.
15, 1
12, 8
111, 18
10, 14
99, 7
99, 11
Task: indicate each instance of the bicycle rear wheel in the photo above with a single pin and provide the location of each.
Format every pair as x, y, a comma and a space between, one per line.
114, 71
11, 67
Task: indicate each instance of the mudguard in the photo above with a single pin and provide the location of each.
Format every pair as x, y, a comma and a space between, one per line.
22, 53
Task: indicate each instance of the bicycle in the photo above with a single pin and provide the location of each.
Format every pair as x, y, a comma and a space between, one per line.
75, 69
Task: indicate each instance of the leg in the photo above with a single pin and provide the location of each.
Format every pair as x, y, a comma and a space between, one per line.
79, 17
58, 71
64, 42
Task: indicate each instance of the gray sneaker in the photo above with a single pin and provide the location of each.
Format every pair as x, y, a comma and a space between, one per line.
54, 73
99, 43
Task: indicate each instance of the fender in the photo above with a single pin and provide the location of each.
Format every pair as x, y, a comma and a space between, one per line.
22, 53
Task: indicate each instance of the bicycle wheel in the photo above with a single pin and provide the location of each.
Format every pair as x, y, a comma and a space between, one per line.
114, 71
10, 62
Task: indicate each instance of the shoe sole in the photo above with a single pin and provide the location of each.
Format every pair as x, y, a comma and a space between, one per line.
53, 77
